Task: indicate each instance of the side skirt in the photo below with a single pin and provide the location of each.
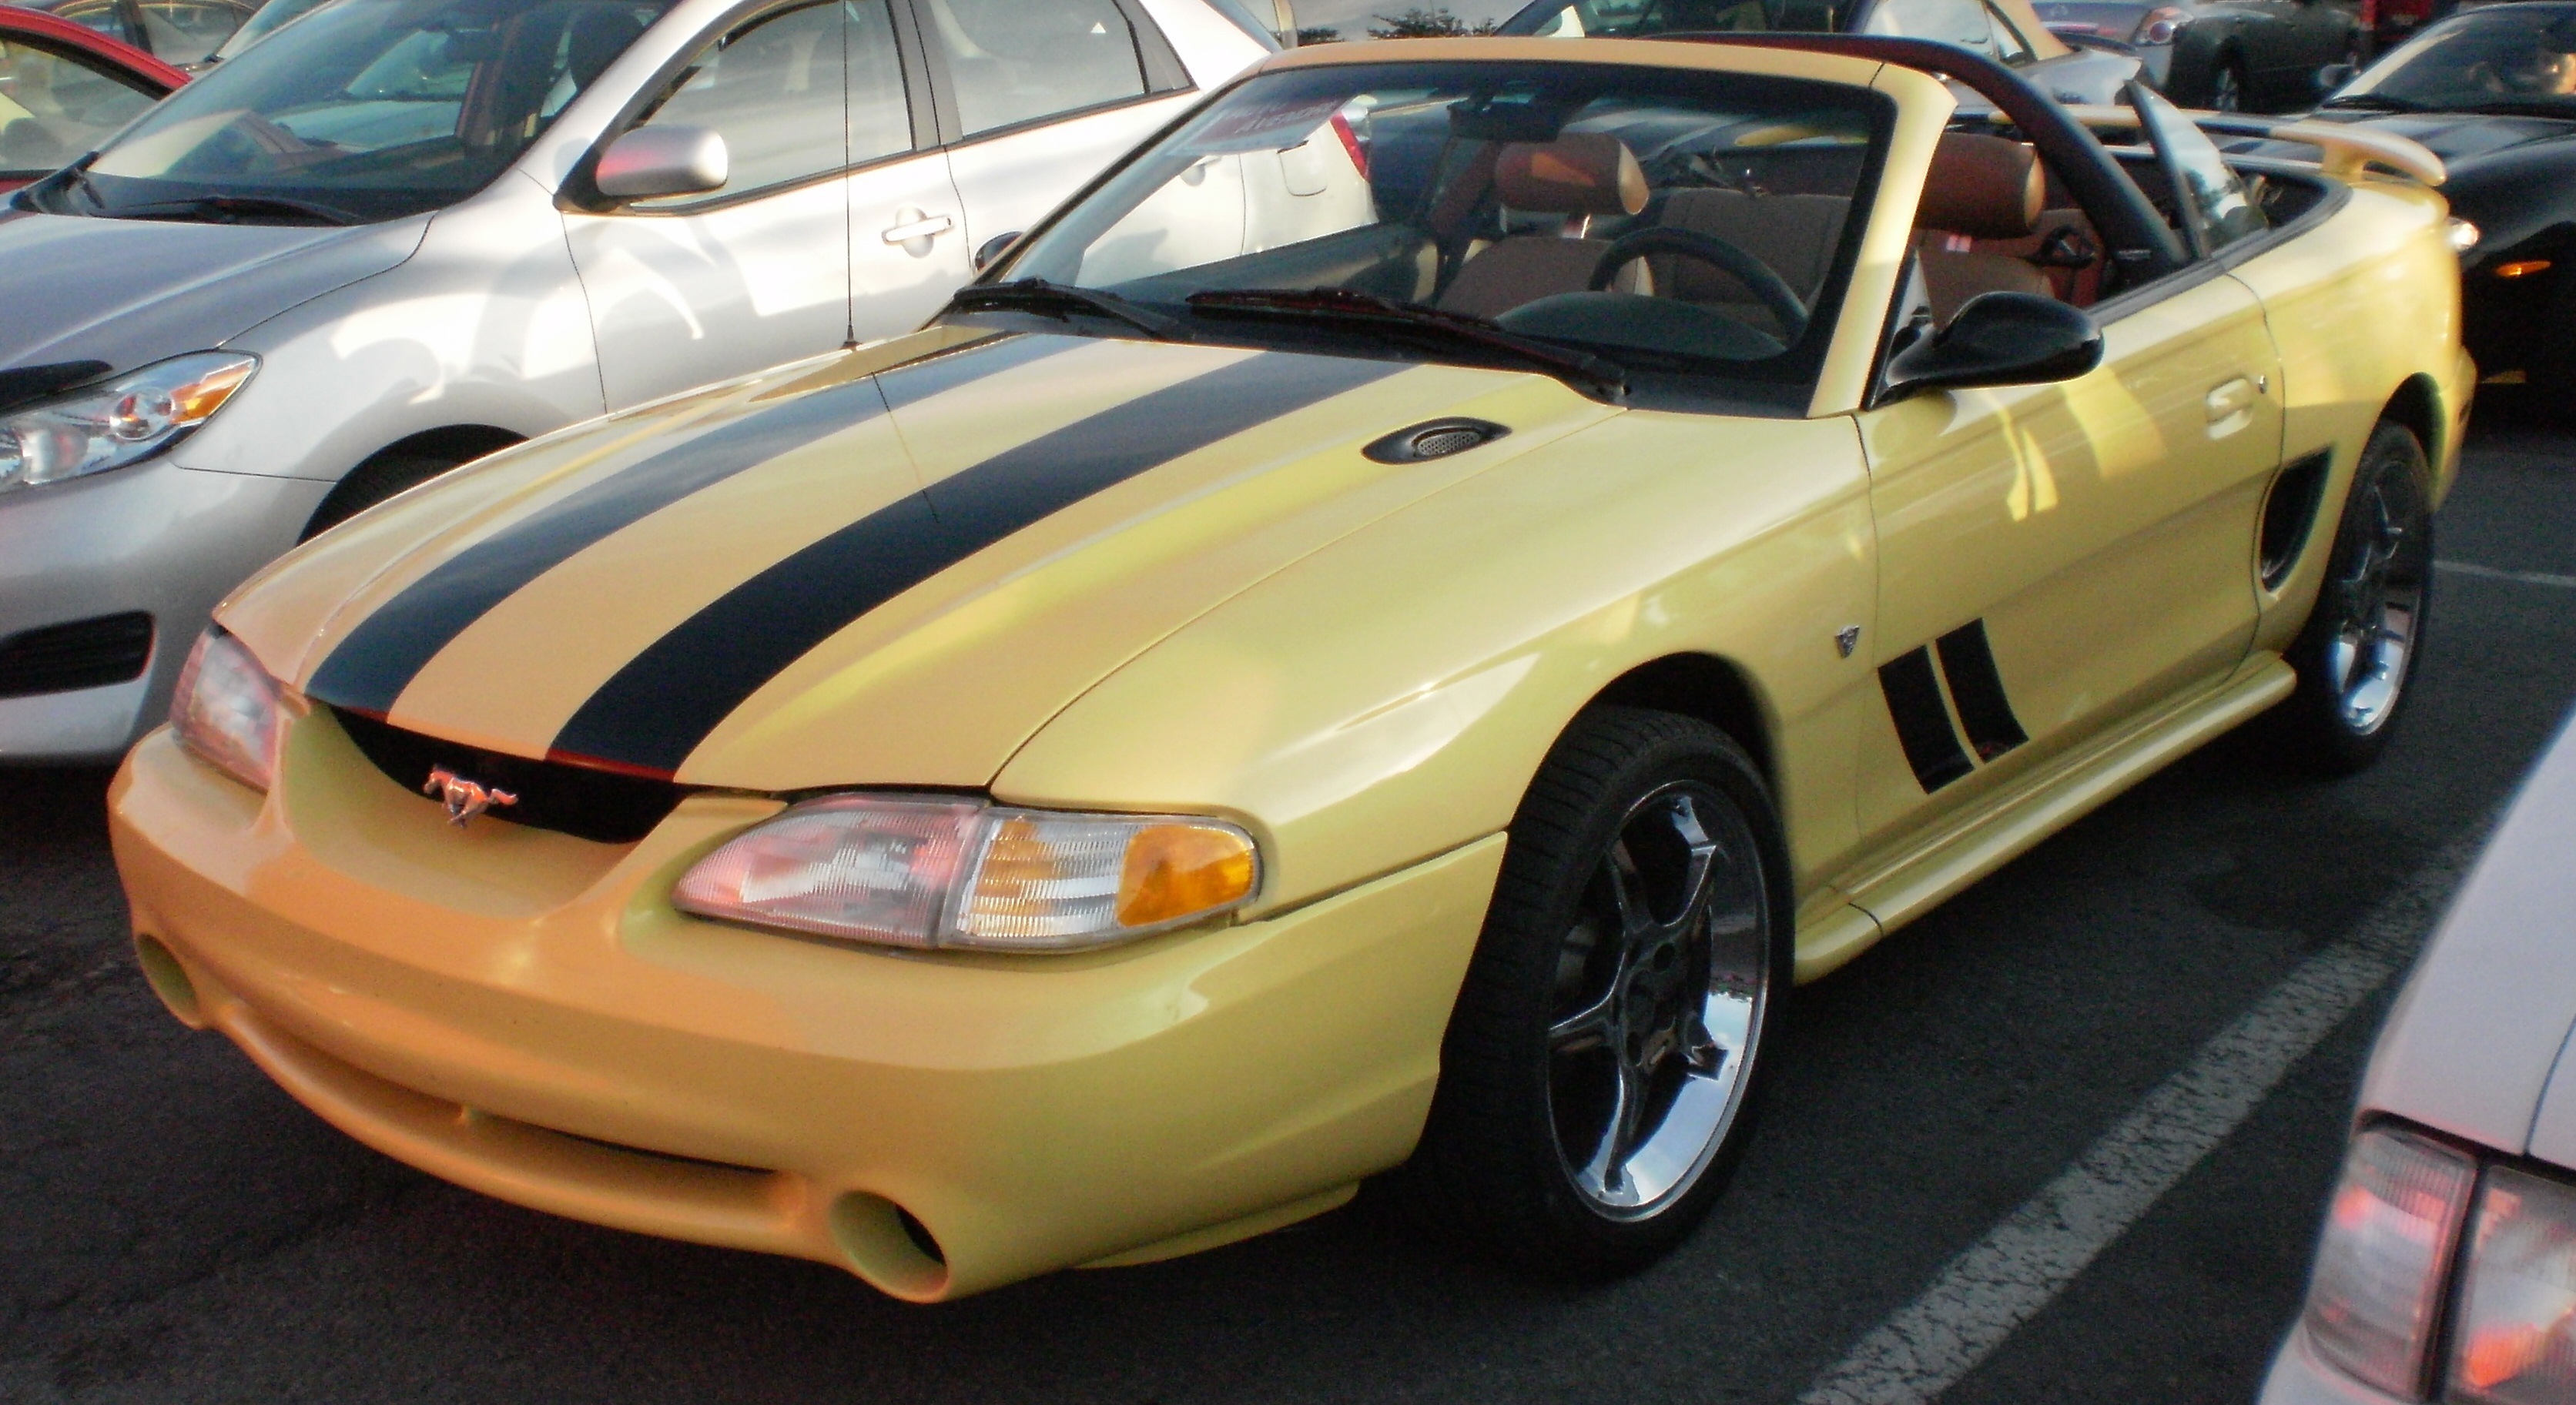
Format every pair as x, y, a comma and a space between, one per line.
1991, 835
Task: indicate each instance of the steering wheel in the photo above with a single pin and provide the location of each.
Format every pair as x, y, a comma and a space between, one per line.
1768, 288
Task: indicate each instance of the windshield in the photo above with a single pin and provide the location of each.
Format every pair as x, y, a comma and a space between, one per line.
2504, 58
1635, 19
1668, 223
367, 110
263, 22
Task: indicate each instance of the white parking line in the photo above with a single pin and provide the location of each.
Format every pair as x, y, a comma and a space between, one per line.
1981, 1296
2464, 568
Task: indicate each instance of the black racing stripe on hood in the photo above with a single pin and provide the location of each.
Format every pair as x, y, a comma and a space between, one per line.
379, 658
662, 704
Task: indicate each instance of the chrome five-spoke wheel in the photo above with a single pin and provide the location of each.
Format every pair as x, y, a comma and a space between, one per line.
2361, 644
1604, 1062
1659, 989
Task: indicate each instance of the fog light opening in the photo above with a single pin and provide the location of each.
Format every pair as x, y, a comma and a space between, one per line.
168, 979
890, 1247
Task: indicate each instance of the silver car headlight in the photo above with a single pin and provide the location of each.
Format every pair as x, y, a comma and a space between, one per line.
117, 422
936, 871
229, 711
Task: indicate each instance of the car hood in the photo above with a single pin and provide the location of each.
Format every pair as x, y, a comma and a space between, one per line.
128, 292
2474, 1044
883, 568
2461, 136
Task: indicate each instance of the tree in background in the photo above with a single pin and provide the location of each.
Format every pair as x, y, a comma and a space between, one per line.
1320, 34
1427, 22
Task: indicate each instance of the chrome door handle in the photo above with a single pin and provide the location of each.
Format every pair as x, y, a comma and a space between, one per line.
918, 226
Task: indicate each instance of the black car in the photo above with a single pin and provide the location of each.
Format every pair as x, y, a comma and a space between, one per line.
2229, 55
2492, 91
2007, 31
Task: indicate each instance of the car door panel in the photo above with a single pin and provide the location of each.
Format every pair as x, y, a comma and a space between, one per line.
2060, 557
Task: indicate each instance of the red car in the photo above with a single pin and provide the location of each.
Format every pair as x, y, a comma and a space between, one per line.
63, 89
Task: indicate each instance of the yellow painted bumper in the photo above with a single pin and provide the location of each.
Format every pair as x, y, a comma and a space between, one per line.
522, 1013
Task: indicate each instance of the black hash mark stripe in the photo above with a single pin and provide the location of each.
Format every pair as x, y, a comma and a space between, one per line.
664, 702
379, 658
1922, 723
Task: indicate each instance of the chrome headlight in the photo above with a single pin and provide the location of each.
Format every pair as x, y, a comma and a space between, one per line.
112, 424
229, 711
949, 872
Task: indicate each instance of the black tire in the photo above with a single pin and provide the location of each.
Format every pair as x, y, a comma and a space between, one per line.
2230, 89
1556, 1025
2357, 654
373, 482
2551, 365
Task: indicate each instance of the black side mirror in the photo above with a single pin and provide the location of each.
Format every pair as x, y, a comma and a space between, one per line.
1998, 339
991, 250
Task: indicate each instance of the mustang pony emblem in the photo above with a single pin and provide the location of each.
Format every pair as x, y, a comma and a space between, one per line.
464, 799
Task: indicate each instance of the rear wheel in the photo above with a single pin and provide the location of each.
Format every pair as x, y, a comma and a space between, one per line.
2227, 84
1601, 1069
2357, 654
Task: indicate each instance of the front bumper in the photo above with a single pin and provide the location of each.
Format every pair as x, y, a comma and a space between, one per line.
165, 540
523, 1013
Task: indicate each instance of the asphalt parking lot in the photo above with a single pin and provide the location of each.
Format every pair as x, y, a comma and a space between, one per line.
174, 1228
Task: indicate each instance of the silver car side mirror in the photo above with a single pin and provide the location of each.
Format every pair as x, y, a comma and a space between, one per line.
650, 161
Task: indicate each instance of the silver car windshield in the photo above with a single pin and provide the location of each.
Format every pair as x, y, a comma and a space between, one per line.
365, 110
1694, 222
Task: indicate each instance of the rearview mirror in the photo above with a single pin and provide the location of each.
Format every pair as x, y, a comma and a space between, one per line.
992, 249
2335, 75
650, 161
1998, 339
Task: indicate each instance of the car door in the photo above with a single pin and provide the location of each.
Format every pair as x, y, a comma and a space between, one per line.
1041, 98
2057, 560
693, 288
909, 246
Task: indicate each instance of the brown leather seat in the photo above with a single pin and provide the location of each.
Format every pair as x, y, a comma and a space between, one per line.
1578, 175
1980, 188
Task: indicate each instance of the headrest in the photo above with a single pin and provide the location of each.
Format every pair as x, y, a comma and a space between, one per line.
1580, 173
1983, 187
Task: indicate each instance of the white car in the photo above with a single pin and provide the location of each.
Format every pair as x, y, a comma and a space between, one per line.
2447, 1268
397, 234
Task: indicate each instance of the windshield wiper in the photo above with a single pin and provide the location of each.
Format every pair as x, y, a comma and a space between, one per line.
1586, 372
229, 209
1039, 295
2373, 102
2521, 107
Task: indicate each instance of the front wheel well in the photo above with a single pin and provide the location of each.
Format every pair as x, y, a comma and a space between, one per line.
1706, 687
402, 463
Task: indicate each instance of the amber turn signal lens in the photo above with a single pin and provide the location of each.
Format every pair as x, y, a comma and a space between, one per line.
1176, 870
2521, 268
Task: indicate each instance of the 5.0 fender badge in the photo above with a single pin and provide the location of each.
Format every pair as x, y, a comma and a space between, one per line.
1847, 639
464, 799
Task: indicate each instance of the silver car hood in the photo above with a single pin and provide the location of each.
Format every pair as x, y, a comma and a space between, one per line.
128, 292
2474, 1045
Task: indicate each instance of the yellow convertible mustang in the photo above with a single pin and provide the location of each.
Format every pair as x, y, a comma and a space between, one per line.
1386, 634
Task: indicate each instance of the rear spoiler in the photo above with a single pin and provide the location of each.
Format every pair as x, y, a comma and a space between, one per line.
2348, 149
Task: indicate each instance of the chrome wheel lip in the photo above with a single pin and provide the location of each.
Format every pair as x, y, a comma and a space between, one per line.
2381, 599
1661, 1029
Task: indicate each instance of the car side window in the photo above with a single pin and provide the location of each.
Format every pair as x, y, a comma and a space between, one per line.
776, 90
2215, 206
1966, 23
54, 108
184, 31
103, 16
1011, 61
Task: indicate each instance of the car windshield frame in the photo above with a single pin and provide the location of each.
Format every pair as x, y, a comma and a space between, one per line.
2383, 83
1782, 382
358, 112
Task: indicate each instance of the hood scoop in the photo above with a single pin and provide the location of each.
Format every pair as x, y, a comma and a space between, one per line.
1434, 439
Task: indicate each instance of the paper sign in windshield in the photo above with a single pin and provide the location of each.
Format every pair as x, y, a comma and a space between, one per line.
1266, 126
